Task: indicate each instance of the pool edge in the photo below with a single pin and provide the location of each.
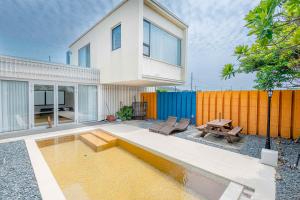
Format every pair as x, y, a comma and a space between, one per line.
47, 184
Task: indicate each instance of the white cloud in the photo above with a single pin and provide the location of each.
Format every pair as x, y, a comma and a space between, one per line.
39, 28
215, 28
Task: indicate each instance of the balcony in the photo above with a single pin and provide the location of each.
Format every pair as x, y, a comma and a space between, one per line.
19, 68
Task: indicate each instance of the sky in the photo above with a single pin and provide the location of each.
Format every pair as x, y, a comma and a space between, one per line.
38, 29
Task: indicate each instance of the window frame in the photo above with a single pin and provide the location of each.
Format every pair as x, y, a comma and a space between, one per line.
171, 34
87, 62
68, 57
112, 36
144, 44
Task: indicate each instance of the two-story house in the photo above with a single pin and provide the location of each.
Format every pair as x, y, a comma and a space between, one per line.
138, 44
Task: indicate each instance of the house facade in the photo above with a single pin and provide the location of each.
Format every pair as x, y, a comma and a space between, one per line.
139, 44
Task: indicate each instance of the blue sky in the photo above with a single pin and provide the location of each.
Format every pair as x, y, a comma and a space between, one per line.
38, 29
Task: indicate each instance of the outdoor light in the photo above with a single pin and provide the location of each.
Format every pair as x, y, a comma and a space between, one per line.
270, 93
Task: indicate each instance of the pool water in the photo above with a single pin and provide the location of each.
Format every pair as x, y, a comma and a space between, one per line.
124, 172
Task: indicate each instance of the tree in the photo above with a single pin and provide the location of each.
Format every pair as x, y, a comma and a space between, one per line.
275, 54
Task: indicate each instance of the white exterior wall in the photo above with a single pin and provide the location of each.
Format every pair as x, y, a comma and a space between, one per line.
121, 64
127, 65
110, 98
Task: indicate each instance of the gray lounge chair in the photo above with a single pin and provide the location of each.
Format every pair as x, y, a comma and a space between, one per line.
171, 121
182, 125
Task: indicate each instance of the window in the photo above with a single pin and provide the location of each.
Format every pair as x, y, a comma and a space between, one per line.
116, 37
84, 56
68, 57
161, 45
146, 42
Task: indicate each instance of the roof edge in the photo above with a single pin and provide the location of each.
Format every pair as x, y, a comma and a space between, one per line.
168, 12
163, 8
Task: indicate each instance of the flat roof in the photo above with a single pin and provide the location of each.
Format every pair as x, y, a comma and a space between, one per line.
121, 4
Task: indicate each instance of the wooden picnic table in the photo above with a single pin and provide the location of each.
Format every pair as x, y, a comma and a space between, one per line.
218, 123
221, 127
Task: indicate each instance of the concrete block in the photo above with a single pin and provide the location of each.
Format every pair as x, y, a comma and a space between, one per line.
269, 157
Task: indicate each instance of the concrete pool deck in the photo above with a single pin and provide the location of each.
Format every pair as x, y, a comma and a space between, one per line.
238, 168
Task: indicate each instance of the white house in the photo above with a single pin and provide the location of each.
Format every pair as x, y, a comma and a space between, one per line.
137, 45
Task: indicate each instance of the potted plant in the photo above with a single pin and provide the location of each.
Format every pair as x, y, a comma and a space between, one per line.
109, 117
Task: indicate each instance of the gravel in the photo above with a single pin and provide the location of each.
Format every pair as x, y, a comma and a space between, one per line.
17, 180
288, 187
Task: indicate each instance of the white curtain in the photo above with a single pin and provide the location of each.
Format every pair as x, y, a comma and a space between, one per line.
164, 46
87, 103
14, 102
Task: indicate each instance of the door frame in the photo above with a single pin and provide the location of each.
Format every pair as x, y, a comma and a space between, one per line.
55, 107
75, 103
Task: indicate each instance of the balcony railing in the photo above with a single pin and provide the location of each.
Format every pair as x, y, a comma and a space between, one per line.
12, 67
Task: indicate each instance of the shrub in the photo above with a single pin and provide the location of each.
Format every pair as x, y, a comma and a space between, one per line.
125, 113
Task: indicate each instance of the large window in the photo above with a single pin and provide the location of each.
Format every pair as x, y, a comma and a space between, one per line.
116, 37
84, 56
161, 45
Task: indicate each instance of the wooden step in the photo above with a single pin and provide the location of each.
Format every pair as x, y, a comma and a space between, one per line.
94, 142
104, 136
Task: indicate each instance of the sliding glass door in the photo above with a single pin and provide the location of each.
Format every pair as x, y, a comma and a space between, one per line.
55, 104
14, 105
43, 105
66, 104
87, 103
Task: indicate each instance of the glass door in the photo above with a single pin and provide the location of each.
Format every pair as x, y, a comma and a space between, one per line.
43, 105
66, 104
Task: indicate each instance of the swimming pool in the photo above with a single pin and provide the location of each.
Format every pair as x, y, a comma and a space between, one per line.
124, 171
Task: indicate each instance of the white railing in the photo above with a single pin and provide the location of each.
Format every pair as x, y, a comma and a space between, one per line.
12, 67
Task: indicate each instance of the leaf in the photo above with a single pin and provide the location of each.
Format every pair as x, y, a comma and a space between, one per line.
228, 71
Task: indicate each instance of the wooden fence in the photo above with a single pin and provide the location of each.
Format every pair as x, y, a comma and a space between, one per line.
247, 109
151, 99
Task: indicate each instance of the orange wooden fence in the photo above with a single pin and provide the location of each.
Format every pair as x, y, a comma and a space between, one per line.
248, 109
150, 98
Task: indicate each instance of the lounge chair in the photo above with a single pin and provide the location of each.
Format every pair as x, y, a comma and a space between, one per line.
182, 125
171, 121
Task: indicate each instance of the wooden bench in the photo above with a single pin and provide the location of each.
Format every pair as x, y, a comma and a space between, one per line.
203, 129
235, 131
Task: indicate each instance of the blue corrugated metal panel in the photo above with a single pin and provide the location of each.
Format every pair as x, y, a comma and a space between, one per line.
194, 108
179, 104
158, 106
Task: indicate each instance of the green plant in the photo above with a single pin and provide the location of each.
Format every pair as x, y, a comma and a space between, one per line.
275, 54
125, 113
161, 90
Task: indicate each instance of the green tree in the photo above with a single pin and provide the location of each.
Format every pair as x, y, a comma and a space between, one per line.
275, 54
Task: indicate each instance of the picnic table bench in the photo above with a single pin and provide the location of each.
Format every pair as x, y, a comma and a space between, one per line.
221, 128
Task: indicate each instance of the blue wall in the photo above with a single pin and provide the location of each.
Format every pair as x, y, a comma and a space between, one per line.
179, 104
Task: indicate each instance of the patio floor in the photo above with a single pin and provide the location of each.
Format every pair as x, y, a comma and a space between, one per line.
287, 185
